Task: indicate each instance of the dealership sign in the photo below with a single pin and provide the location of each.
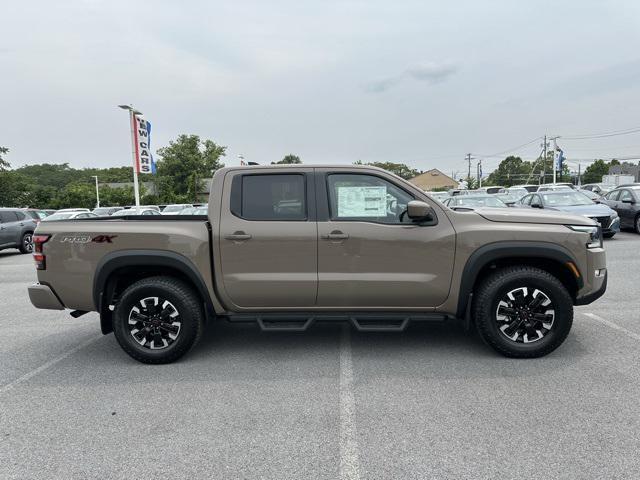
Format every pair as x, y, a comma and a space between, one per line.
142, 145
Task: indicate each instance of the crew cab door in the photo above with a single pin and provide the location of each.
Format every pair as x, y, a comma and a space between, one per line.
268, 239
369, 254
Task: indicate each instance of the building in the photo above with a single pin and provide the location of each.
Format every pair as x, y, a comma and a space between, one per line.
626, 168
434, 179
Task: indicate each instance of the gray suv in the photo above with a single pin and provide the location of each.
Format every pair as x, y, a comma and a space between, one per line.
16, 230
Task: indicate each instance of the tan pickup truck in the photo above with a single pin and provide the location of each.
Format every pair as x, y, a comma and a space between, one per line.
288, 246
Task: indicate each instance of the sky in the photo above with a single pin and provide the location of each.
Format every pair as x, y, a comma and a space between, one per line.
417, 82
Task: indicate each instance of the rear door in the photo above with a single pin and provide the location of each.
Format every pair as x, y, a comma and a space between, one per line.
370, 255
7, 218
624, 207
268, 239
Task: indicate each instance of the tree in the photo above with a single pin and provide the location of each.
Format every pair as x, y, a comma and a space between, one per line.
4, 165
288, 159
183, 165
400, 169
512, 170
594, 172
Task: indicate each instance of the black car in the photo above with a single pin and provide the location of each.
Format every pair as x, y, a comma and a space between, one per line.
16, 230
625, 201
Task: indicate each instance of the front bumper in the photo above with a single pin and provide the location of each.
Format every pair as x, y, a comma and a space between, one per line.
594, 295
42, 296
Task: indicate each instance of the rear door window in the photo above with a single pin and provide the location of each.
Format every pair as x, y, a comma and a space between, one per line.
273, 197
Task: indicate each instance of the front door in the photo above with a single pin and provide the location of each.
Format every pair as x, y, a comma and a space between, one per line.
625, 208
8, 225
268, 239
370, 255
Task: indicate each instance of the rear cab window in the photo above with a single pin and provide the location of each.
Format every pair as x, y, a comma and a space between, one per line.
270, 197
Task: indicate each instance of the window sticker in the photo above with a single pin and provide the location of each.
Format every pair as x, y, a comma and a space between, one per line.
362, 201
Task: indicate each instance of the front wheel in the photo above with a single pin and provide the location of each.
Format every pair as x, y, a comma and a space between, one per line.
609, 234
523, 312
636, 224
158, 320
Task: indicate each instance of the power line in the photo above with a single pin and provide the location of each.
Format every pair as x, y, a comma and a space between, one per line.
613, 133
510, 149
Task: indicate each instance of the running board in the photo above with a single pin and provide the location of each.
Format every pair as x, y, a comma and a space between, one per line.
361, 321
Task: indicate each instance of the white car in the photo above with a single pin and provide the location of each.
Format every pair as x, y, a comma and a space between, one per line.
67, 215
175, 209
65, 210
132, 211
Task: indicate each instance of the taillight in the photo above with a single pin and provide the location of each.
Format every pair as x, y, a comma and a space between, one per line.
38, 255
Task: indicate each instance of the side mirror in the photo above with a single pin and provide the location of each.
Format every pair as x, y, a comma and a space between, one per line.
536, 205
418, 210
627, 200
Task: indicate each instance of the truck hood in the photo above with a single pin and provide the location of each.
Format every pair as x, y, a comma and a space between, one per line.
526, 215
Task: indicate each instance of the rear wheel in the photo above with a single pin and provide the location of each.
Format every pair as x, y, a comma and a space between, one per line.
26, 243
523, 312
158, 320
636, 224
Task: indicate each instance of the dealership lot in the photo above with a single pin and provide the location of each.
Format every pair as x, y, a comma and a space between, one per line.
432, 402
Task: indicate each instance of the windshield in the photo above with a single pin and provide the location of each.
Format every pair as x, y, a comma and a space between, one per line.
569, 198
488, 201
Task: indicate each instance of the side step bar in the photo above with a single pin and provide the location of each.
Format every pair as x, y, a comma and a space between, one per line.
361, 321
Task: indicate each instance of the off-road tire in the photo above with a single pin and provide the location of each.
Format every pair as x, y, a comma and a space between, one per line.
494, 287
26, 243
180, 295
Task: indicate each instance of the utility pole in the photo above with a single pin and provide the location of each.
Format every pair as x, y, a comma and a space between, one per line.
97, 192
555, 149
469, 174
579, 181
544, 160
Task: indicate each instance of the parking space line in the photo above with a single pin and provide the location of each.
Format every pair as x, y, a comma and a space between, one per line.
349, 463
9, 386
615, 326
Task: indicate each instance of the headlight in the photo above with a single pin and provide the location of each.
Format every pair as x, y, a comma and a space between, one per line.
595, 234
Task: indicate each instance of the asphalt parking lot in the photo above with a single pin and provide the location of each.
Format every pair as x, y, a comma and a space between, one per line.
432, 402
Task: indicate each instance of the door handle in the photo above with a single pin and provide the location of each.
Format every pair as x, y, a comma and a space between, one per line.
238, 236
335, 235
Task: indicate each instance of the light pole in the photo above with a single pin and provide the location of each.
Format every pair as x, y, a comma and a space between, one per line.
97, 192
132, 120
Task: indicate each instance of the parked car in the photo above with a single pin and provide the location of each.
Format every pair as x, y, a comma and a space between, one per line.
519, 191
626, 202
35, 214
475, 201
509, 199
132, 211
440, 196
356, 244
65, 210
152, 207
194, 211
592, 195
553, 187
105, 211
528, 187
572, 201
60, 215
599, 188
491, 190
16, 230
175, 209
49, 211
